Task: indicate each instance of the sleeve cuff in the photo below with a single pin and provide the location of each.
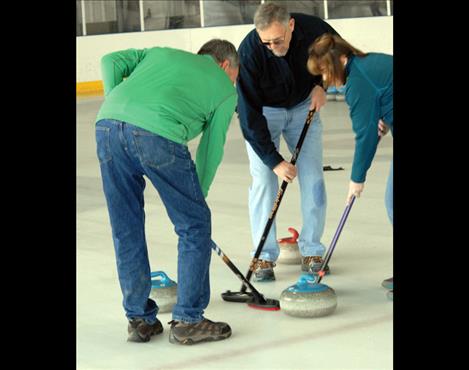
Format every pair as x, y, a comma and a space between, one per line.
273, 160
358, 179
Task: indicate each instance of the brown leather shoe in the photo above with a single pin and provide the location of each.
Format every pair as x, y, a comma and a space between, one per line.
312, 264
202, 331
140, 331
263, 270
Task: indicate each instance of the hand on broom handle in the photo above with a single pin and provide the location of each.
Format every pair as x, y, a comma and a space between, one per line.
285, 171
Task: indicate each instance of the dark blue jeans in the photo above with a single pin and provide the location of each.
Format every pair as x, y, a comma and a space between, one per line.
126, 154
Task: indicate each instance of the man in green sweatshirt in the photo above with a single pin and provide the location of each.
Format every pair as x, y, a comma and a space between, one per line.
156, 100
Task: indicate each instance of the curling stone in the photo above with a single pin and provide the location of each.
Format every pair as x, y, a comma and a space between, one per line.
163, 291
307, 298
289, 251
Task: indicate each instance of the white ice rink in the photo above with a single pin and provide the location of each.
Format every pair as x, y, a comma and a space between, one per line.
358, 335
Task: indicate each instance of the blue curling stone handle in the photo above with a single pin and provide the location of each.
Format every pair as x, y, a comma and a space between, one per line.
163, 282
307, 284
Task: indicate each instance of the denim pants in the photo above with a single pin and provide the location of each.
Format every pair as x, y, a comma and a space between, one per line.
265, 184
388, 199
126, 154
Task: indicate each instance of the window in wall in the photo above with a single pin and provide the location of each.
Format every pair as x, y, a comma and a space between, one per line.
229, 12
356, 9
162, 15
79, 20
312, 7
112, 16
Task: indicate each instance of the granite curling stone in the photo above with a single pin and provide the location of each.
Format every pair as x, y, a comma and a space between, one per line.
163, 291
307, 298
289, 251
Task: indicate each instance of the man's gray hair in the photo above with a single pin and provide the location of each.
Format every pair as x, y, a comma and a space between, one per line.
268, 13
221, 50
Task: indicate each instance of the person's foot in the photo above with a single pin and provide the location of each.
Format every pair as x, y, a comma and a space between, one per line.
388, 283
390, 295
203, 331
312, 264
140, 331
264, 271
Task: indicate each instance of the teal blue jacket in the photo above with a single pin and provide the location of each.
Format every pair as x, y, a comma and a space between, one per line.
369, 95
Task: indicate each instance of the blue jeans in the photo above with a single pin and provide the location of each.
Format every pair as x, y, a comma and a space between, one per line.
126, 153
388, 199
263, 191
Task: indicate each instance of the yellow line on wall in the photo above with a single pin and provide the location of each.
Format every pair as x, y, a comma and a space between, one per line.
90, 88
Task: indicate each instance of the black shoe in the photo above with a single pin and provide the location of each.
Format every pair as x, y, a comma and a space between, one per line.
140, 331
202, 331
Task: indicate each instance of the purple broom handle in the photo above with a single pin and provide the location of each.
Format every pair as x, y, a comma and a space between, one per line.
342, 222
336, 237
337, 234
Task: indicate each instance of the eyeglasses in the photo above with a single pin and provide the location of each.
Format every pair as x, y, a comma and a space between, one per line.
275, 42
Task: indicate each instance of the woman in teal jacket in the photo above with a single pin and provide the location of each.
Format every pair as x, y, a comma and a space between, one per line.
368, 80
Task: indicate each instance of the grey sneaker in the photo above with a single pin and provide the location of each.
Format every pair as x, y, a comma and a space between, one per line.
203, 331
388, 283
263, 270
140, 331
313, 264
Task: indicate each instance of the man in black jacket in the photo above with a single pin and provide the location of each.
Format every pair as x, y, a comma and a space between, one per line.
275, 93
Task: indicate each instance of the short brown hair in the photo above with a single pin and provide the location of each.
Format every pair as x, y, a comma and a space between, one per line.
221, 50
